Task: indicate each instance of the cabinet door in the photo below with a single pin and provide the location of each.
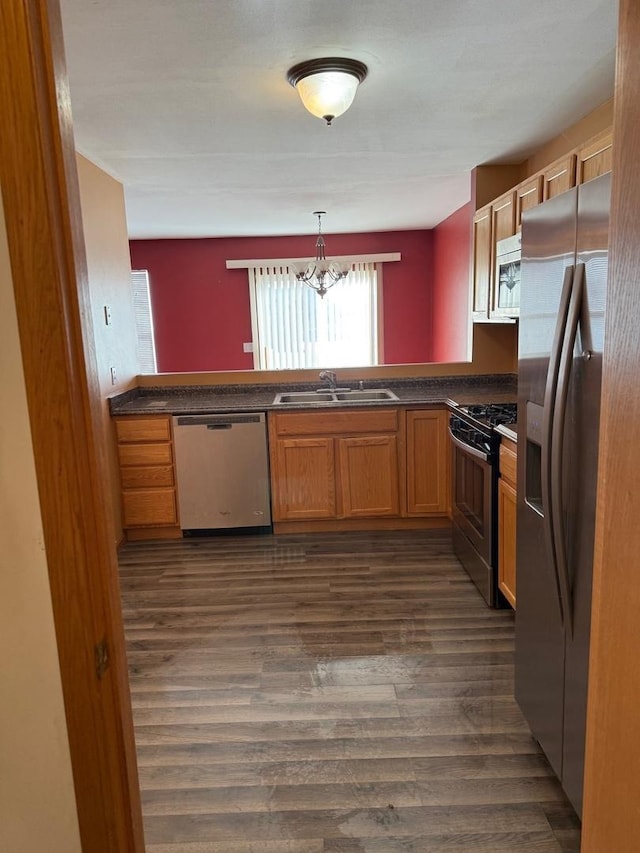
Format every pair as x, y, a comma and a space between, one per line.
528, 195
369, 484
559, 177
428, 469
507, 541
482, 265
504, 225
304, 479
595, 159
504, 216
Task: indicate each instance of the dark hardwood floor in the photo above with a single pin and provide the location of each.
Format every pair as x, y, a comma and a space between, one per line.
329, 693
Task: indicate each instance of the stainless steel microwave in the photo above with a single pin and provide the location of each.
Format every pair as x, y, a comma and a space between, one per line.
507, 277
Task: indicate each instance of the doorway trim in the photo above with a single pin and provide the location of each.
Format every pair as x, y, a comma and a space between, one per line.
46, 246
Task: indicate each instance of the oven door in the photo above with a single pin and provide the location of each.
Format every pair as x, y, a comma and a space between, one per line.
472, 497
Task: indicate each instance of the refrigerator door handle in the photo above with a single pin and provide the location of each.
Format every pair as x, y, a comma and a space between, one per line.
559, 413
550, 396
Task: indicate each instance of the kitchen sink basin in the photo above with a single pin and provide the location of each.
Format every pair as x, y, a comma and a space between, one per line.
309, 397
365, 396
312, 398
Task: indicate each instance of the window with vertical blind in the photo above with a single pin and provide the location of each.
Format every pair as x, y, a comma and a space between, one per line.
294, 328
146, 347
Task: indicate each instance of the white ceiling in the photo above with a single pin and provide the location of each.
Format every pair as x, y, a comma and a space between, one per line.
186, 102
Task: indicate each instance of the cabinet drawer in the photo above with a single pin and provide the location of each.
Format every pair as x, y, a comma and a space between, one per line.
149, 507
508, 463
145, 454
146, 476
143, 429
336, 422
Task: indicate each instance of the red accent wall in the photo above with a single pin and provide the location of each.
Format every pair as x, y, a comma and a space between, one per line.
451, 267
201, 309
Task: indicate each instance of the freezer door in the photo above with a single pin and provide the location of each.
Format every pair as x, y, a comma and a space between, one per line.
580, 470
548, 258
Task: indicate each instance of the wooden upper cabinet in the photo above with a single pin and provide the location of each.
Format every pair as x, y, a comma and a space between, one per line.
595, 159
503, 212
428, 470
482, 262
559, 177
369, 483
528, 195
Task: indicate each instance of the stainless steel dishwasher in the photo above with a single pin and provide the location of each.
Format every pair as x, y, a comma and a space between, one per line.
222, 470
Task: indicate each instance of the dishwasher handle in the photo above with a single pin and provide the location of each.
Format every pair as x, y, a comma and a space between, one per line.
219, 426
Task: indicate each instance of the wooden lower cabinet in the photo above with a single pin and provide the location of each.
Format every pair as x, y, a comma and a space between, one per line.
305, 486
350, 467
147, 477
507, 521
368, 467
428, 463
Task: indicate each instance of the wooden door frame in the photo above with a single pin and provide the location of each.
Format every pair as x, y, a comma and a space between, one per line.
46, 246
612, 761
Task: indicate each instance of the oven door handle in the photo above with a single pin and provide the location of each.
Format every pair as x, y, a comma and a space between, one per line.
471, 451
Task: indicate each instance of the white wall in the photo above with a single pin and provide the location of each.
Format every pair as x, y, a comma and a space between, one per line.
37, 801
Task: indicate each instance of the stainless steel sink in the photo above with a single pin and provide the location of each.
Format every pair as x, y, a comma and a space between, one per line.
312, 398
366, 396
309, 397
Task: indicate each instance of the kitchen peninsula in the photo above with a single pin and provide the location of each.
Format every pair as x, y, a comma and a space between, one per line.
377, 465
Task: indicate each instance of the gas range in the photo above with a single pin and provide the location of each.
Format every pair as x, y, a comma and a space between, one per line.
490, 414
474, 425
475, 446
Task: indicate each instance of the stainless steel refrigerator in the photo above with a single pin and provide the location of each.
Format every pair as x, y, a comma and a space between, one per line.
563, 292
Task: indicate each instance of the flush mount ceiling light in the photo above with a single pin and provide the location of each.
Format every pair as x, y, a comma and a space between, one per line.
328, 86
321, 274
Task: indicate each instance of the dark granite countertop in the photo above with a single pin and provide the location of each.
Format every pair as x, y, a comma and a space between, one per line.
213, 399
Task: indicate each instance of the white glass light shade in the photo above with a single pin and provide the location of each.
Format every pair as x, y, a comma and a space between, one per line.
327, 86
327, 94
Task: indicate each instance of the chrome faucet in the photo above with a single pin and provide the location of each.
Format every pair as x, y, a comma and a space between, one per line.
330, 377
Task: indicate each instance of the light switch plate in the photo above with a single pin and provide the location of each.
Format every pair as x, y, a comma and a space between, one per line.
113, 375
107, 315
247, 347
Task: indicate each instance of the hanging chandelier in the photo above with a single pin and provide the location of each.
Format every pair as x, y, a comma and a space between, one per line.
321, 274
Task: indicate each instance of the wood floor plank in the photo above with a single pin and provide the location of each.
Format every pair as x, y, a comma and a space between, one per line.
329, 693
